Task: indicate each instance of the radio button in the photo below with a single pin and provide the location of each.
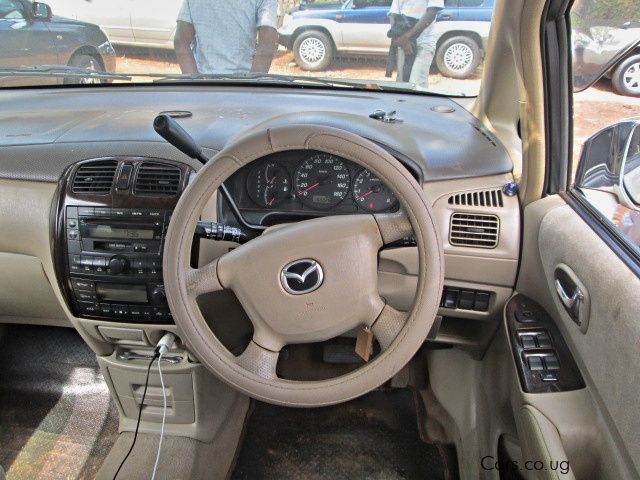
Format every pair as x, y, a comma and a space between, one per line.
102, 212
72, 223
106, 310
72, 212
86, 296
135, 311
155, 213
120, 311
73, 234
82, 285
86, 211
147, 312
89, 308
118, 265
137, 213
74, 263
159, 313
119, 212
73, 246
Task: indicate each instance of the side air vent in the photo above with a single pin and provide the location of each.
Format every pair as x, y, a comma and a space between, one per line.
486, 198
157, 179
474, 230
95, 177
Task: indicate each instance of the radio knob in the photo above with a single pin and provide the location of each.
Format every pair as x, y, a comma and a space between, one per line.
158, 297
118, 265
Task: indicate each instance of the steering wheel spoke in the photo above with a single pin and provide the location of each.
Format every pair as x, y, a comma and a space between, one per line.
388, 325
393, 226
259, 361
203, 280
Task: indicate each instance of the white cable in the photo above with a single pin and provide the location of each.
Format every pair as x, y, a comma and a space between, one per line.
164, 416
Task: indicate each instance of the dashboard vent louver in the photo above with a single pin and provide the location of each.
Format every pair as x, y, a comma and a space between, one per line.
474, 230
157, 179
95, 177
486, 198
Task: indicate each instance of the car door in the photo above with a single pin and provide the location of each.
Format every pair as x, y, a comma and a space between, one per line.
364, 25
154, 26
113, 16
24, 41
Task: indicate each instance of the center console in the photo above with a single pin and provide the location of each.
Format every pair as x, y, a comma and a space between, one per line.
111, 223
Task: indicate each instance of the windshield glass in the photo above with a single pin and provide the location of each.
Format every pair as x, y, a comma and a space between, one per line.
416, 45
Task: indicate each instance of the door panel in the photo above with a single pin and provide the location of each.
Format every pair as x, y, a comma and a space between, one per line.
606, 351
365, 29
154, 26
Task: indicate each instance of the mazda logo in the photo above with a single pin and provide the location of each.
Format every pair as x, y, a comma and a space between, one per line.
301, 276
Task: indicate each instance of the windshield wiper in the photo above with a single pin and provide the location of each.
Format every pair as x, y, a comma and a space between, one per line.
61, 71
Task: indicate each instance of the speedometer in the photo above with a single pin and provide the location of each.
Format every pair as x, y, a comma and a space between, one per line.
322, 181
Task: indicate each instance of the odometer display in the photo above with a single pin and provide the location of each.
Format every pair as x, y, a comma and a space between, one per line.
322, 181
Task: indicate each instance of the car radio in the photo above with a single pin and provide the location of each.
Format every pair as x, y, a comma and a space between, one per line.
112, 218
114, 259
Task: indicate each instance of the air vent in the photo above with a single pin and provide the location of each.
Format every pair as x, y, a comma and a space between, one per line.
157, 179
486, 198
474, 230
485, 134
95, 177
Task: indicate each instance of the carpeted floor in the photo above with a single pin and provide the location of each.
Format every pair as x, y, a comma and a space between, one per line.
375, 437
57, 420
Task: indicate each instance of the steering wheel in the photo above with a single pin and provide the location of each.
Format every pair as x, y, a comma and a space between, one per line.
307, 282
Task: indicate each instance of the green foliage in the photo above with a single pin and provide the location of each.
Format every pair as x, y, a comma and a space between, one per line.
605, 12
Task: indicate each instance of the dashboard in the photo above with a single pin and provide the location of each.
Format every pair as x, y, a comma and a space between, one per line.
89, 260
303, 184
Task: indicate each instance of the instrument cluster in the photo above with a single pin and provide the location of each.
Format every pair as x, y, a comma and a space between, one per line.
309, 182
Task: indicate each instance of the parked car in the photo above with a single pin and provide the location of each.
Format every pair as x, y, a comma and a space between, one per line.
316, 33
609, 52
127, 22
30, 35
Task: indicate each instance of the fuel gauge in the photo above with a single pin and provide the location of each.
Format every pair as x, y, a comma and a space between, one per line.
269, 185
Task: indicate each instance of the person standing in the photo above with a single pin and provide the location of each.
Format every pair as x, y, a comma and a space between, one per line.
422, 33
226, 36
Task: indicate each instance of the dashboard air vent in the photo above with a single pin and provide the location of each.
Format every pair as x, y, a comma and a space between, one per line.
157, 179
95, 177
474, 230
486, 198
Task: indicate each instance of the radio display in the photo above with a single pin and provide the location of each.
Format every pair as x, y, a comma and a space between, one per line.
119, 233
111, 292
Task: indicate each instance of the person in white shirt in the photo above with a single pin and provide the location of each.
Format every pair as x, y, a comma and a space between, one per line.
423, 32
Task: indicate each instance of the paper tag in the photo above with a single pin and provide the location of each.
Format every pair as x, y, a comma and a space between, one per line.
364, 343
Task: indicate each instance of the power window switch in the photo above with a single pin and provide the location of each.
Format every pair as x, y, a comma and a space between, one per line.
544, 341
548, 377
551, 362
528, 341
535, 364
481, 303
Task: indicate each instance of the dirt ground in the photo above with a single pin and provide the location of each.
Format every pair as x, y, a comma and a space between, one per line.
594, 108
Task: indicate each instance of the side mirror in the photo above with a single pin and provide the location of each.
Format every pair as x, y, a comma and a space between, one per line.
41, 11
610, 161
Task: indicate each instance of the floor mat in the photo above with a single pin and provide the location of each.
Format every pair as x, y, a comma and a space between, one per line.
57, 419
373, 437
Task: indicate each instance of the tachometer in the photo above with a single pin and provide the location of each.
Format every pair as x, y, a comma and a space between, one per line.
322, 181
371, 193
269, 184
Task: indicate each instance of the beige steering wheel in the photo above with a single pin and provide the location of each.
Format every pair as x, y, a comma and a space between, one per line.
338, 254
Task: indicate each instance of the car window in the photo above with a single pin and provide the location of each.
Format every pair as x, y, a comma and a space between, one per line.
338, 44
606, 80
11, 10
471, 3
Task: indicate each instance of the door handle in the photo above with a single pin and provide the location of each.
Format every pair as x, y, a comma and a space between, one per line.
572, 294
445, 16
570, 302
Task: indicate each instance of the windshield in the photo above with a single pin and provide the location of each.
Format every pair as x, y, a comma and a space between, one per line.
430, 46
